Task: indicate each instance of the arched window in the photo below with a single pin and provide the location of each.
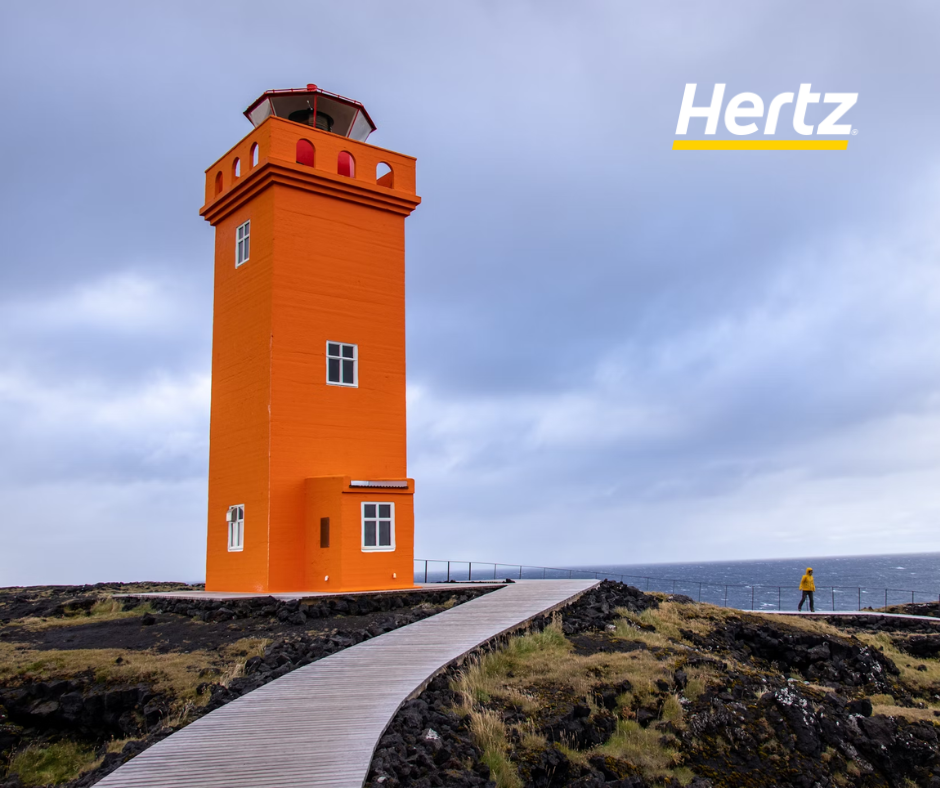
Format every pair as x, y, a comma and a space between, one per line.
218, 183
346, 165
237, 168
254, 155
305, 152
383, 175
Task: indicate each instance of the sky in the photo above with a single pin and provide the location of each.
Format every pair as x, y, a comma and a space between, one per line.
617, 353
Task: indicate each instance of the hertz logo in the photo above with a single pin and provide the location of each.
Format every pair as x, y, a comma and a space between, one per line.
750, 105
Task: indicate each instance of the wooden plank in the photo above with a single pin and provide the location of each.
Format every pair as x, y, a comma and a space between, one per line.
852, 613
319, 725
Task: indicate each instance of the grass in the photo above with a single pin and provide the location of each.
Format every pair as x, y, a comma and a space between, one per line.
105, 609
117, 745
53, 763
644, 748
531, 655
915, 715
922, 680
531, 670
661, 627
925, 681
489, 734
815, 625
672, 711
175, 674
699, 679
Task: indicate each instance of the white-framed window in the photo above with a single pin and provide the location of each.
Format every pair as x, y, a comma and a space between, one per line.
242, 243
378, 526
342, 364
236, 528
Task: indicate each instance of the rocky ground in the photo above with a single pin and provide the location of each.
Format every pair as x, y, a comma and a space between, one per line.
620, 688
88, 680
633, 690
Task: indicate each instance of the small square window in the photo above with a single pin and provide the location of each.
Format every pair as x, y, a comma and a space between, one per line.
342, 364
378, 527
242, 243
236, 528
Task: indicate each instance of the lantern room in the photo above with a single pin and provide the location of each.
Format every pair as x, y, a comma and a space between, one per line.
314, 107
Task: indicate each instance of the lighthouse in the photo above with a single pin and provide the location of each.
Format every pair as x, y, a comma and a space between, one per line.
308, 479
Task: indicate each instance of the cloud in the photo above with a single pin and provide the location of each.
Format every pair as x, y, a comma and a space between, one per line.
125, 301
614, 350
809, 402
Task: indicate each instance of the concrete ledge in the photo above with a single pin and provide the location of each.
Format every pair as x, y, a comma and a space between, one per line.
222, 595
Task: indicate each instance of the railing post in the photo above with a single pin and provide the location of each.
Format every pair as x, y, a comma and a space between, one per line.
699, 592
912, 597
425, 571
494, 571
859, 597
673, 586
886, 597
752, 597
448, 571
520, 571
833, 599
543, 573
470, 572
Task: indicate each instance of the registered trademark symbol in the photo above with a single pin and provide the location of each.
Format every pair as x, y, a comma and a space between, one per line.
855, 131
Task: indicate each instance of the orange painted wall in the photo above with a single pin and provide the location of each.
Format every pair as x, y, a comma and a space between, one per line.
344, 561
327, 263
239, 432
373, 570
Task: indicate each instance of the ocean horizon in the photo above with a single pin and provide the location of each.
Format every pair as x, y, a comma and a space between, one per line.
842, 582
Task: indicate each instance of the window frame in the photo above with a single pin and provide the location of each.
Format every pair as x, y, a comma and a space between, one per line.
240, 240
236, 528
377, 548
341, 358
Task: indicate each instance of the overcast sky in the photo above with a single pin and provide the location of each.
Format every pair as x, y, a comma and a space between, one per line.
617, 353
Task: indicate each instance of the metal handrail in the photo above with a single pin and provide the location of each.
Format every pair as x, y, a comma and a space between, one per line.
648, 579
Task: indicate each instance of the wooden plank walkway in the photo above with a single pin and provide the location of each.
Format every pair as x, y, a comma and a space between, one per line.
319, 725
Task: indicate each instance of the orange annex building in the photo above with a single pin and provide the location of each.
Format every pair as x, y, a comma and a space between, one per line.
308, 480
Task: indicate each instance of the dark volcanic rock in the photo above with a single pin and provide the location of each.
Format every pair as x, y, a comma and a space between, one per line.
925, 646
93, 713
817, 657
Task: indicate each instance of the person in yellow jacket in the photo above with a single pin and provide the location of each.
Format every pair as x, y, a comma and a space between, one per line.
807, 586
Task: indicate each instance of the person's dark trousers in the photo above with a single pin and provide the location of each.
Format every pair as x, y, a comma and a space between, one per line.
807, 595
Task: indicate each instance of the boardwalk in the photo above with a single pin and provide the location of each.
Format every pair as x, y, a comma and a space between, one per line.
318, 726
849, 613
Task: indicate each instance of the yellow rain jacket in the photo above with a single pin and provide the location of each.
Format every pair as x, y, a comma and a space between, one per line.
806, 582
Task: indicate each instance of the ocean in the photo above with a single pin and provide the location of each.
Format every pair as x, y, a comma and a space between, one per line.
842, 582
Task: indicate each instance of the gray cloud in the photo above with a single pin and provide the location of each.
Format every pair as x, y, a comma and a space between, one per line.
617, 352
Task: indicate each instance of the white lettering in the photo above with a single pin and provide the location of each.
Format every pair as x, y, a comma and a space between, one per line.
734, 110
774, 112
689, 111
845, 101
803, 98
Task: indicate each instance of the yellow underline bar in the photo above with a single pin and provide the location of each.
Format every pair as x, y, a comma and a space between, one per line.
760, 144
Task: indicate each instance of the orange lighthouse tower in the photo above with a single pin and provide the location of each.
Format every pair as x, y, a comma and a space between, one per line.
308, 481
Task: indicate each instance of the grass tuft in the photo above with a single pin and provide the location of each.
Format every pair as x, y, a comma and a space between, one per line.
53, 763
489, 734
642, 747
105, 609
